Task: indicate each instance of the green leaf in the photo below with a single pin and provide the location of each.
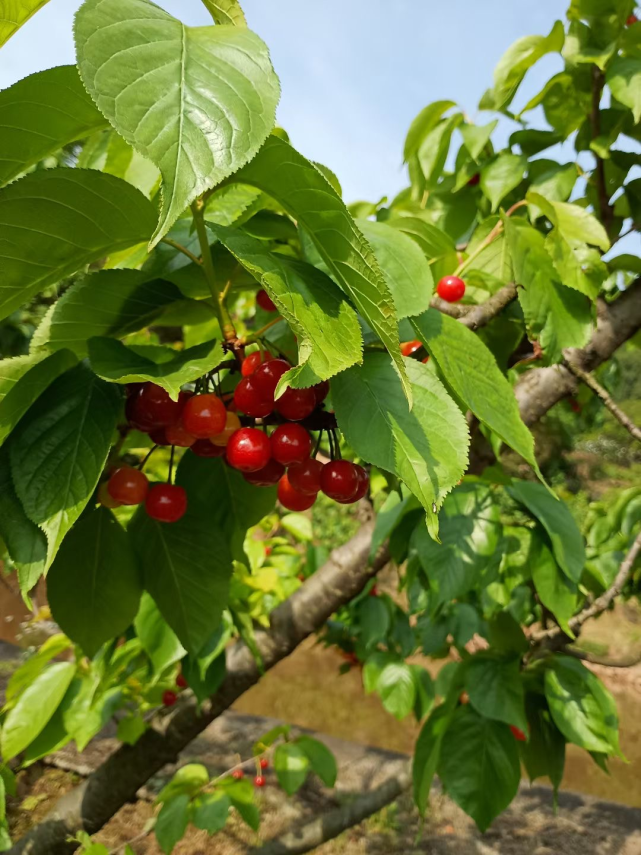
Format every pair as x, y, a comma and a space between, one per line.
107, 303
624, 79
581, 47
374, 620
55, 477
404, 266
188, 780
42, 113
196, 101
172, 822
544, 752
428, 750
555, 516
580, 267
23, 379
556, 591
321, 759
54, 221
241, 794
130, 729
516, 61
389, 515
574, 223
15, 13
425, 122
329, 335
34, 708
9, 780
210, 811
495, 688
120, 363
292, 765
425, 691
432, 155
299, 526
479, 765
397, 689
94, 586
470, 369
582, 708
26, 673
186, 568
306, 195
426, 448
476, 137
159, 641
552, 180
501, 176
226, 12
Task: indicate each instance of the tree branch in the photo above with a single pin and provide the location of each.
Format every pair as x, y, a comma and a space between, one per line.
481, 315
605, 209
592, 383
628, 662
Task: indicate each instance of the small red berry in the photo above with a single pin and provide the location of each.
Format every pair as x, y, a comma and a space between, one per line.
575, 406
305, 476
249, 450
474, 180
231, 426
340, 480
205, 448
451, 289
176, 434
249, 400
296, 404
268, 551
169, 698
181, 682
632, 19
238, 774
373, 592
136, 419
204, 416
267, 476
251, 362
166, 502
301, 577
321, 390
128, 486
518, 734
105, 498
291, 498
154, 406
260, 781
291, 443
264, 763
363, 485
159, 436
267, 375
410, 347
265, 302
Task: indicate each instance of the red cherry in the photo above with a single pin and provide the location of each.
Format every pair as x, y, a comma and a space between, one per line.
291, 444
134, 389
105, 498
166, 502
232, 424
159, 436
153, 405
267, 476
249, 400
450, 289
204, 416
631, 19
169, 698
260, 781
474, 180
267, 375
291, 498
518, 734
238, 774
268, 551
305, 476
410, 347
176, 434
181, 682
373, 592
128, 486
321, 390
575, 406
296, 404
363, 485
264, 763
251, 362
249, 450
136, 419
265, 302
205, 448
340, 480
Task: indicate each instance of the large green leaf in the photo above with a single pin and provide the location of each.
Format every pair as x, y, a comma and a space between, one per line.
555, 516
426, 448
226, 12
471, 371
495, 688
94, 585
306, 195
479, 765
34, 708
476, 137
172, 822
624, 79
579, 267
557, 316
573, 222
397, 689
322, 760
428, 751
53, 222
292, 765
582, 708
197, 101
42, 113
107, 303
404, 266
557, 592
544, 752
15, 13
60, 448
425, 122
158, 640
327, 328
501, 176
169, 368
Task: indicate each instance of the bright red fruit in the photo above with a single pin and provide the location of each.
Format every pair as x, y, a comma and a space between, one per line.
410, 347
267, 375
166, 502
181, 682
169, 698
340, 480
632, 19
204, 416
205, 448
518, 734
296, 404
259, 781
128, 486
291, 498
249, 450
265, 302
238, 774
363, 484
154, 406
474, 180
251, 362
250, 400
321, 390
136, 419
105, 498
267, 476
264, 763
291, 444
176, 434
373, 591
305, 476
450, 289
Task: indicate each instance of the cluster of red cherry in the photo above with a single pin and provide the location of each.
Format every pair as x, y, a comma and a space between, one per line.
451, 289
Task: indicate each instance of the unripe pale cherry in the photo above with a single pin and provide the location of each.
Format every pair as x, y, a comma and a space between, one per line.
232, 424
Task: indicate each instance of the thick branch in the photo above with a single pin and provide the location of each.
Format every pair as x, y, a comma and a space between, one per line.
627, 662
592, 383
481, 315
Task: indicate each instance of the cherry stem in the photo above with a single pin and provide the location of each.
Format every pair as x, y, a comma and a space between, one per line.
182, 249
318, 442
496, 231
141, 465
337, 446
171, 463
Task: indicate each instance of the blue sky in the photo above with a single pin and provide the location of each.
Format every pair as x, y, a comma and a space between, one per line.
354, 73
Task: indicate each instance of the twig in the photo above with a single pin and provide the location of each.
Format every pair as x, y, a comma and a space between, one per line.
454, 310
605, 208
630, 662
598, 390
481, 315
182, 249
